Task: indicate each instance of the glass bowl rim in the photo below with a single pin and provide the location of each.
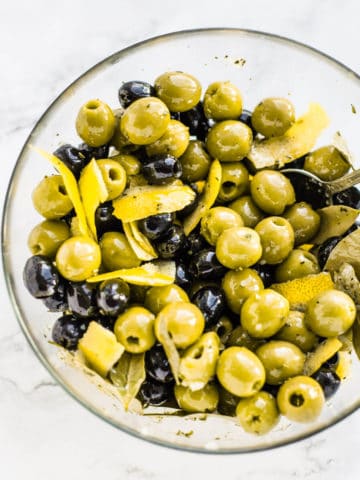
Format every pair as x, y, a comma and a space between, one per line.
19, 315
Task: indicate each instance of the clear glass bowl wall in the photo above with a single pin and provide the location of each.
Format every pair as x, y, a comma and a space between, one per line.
261, 65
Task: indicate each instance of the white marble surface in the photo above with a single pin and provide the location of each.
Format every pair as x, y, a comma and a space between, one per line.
43, 46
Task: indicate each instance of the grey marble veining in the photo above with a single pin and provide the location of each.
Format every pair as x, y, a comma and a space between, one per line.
43, 47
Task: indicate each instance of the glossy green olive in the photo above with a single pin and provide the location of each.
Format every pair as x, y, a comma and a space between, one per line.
145, 121
195, 162
216, 220
272, 191
239, 337
327, 163
238, 285
198, 362
299, 263
134, 329
330, 313
157, 297
258, 414
130, 163
223, 101
234, 181
46, 237
223, 328
238, 247
174, 141
264, 313
50, 198
198, 401
178, 90
95, 123
277, 239
248, 210
78, 258
229, 141
281, 360
227, 402
301, 399
116, 252
296, 332
304, 220
114, 176
184, 322
121, 142
273, 116
240, 371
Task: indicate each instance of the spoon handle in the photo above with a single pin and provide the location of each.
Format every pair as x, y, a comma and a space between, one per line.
345, 182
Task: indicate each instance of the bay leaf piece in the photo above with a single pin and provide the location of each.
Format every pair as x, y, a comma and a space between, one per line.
346, 280
356, 336
334, 221
128, 376
346, 251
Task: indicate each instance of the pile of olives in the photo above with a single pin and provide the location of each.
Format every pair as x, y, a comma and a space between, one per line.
242, 346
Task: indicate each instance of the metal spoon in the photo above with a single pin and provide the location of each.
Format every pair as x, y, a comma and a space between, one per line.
318, 191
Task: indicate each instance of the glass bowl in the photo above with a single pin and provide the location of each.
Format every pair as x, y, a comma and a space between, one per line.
261, 65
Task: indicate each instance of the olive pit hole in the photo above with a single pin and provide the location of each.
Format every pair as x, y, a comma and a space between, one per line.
113, 174
132, 340
199, 352
297, 400
227, 187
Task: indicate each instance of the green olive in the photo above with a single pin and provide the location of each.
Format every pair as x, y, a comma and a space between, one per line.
248, 210
238, 285
301, 399
330, 313
178, 90
95, 123
277, 239
240, 371
50, 198
184, 322
227, 402
234, 181
134, 329
195, 162
145, 121
223, 328
238, 247
157, 297
258, 414
216, 220
120, 141
114, 176
264, 313
174, 141
130, 163
223, 101
116, 252
327, 163
198, 362
229, 141
281, 360
272, 191
239, 337
304, 220
296, 332
46, 237
273, 116
298, 264
203, 400
78, 258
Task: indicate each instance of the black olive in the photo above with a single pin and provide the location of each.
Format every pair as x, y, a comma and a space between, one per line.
325, 249
72, 157
227, 402
349, 197
196, 243
106, 322
133, 90
308, 190
266, 273
196, 120
173, 243
298, 163
175, 116
156, 226
68, 330
161, 169
328, 381
245, 117
205, 266
81, 298
272, 389
57, 302
105, 221
112, 297
211, 301
155, 393
157, 365
40, 276
332, 362
94, 152
182, 276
